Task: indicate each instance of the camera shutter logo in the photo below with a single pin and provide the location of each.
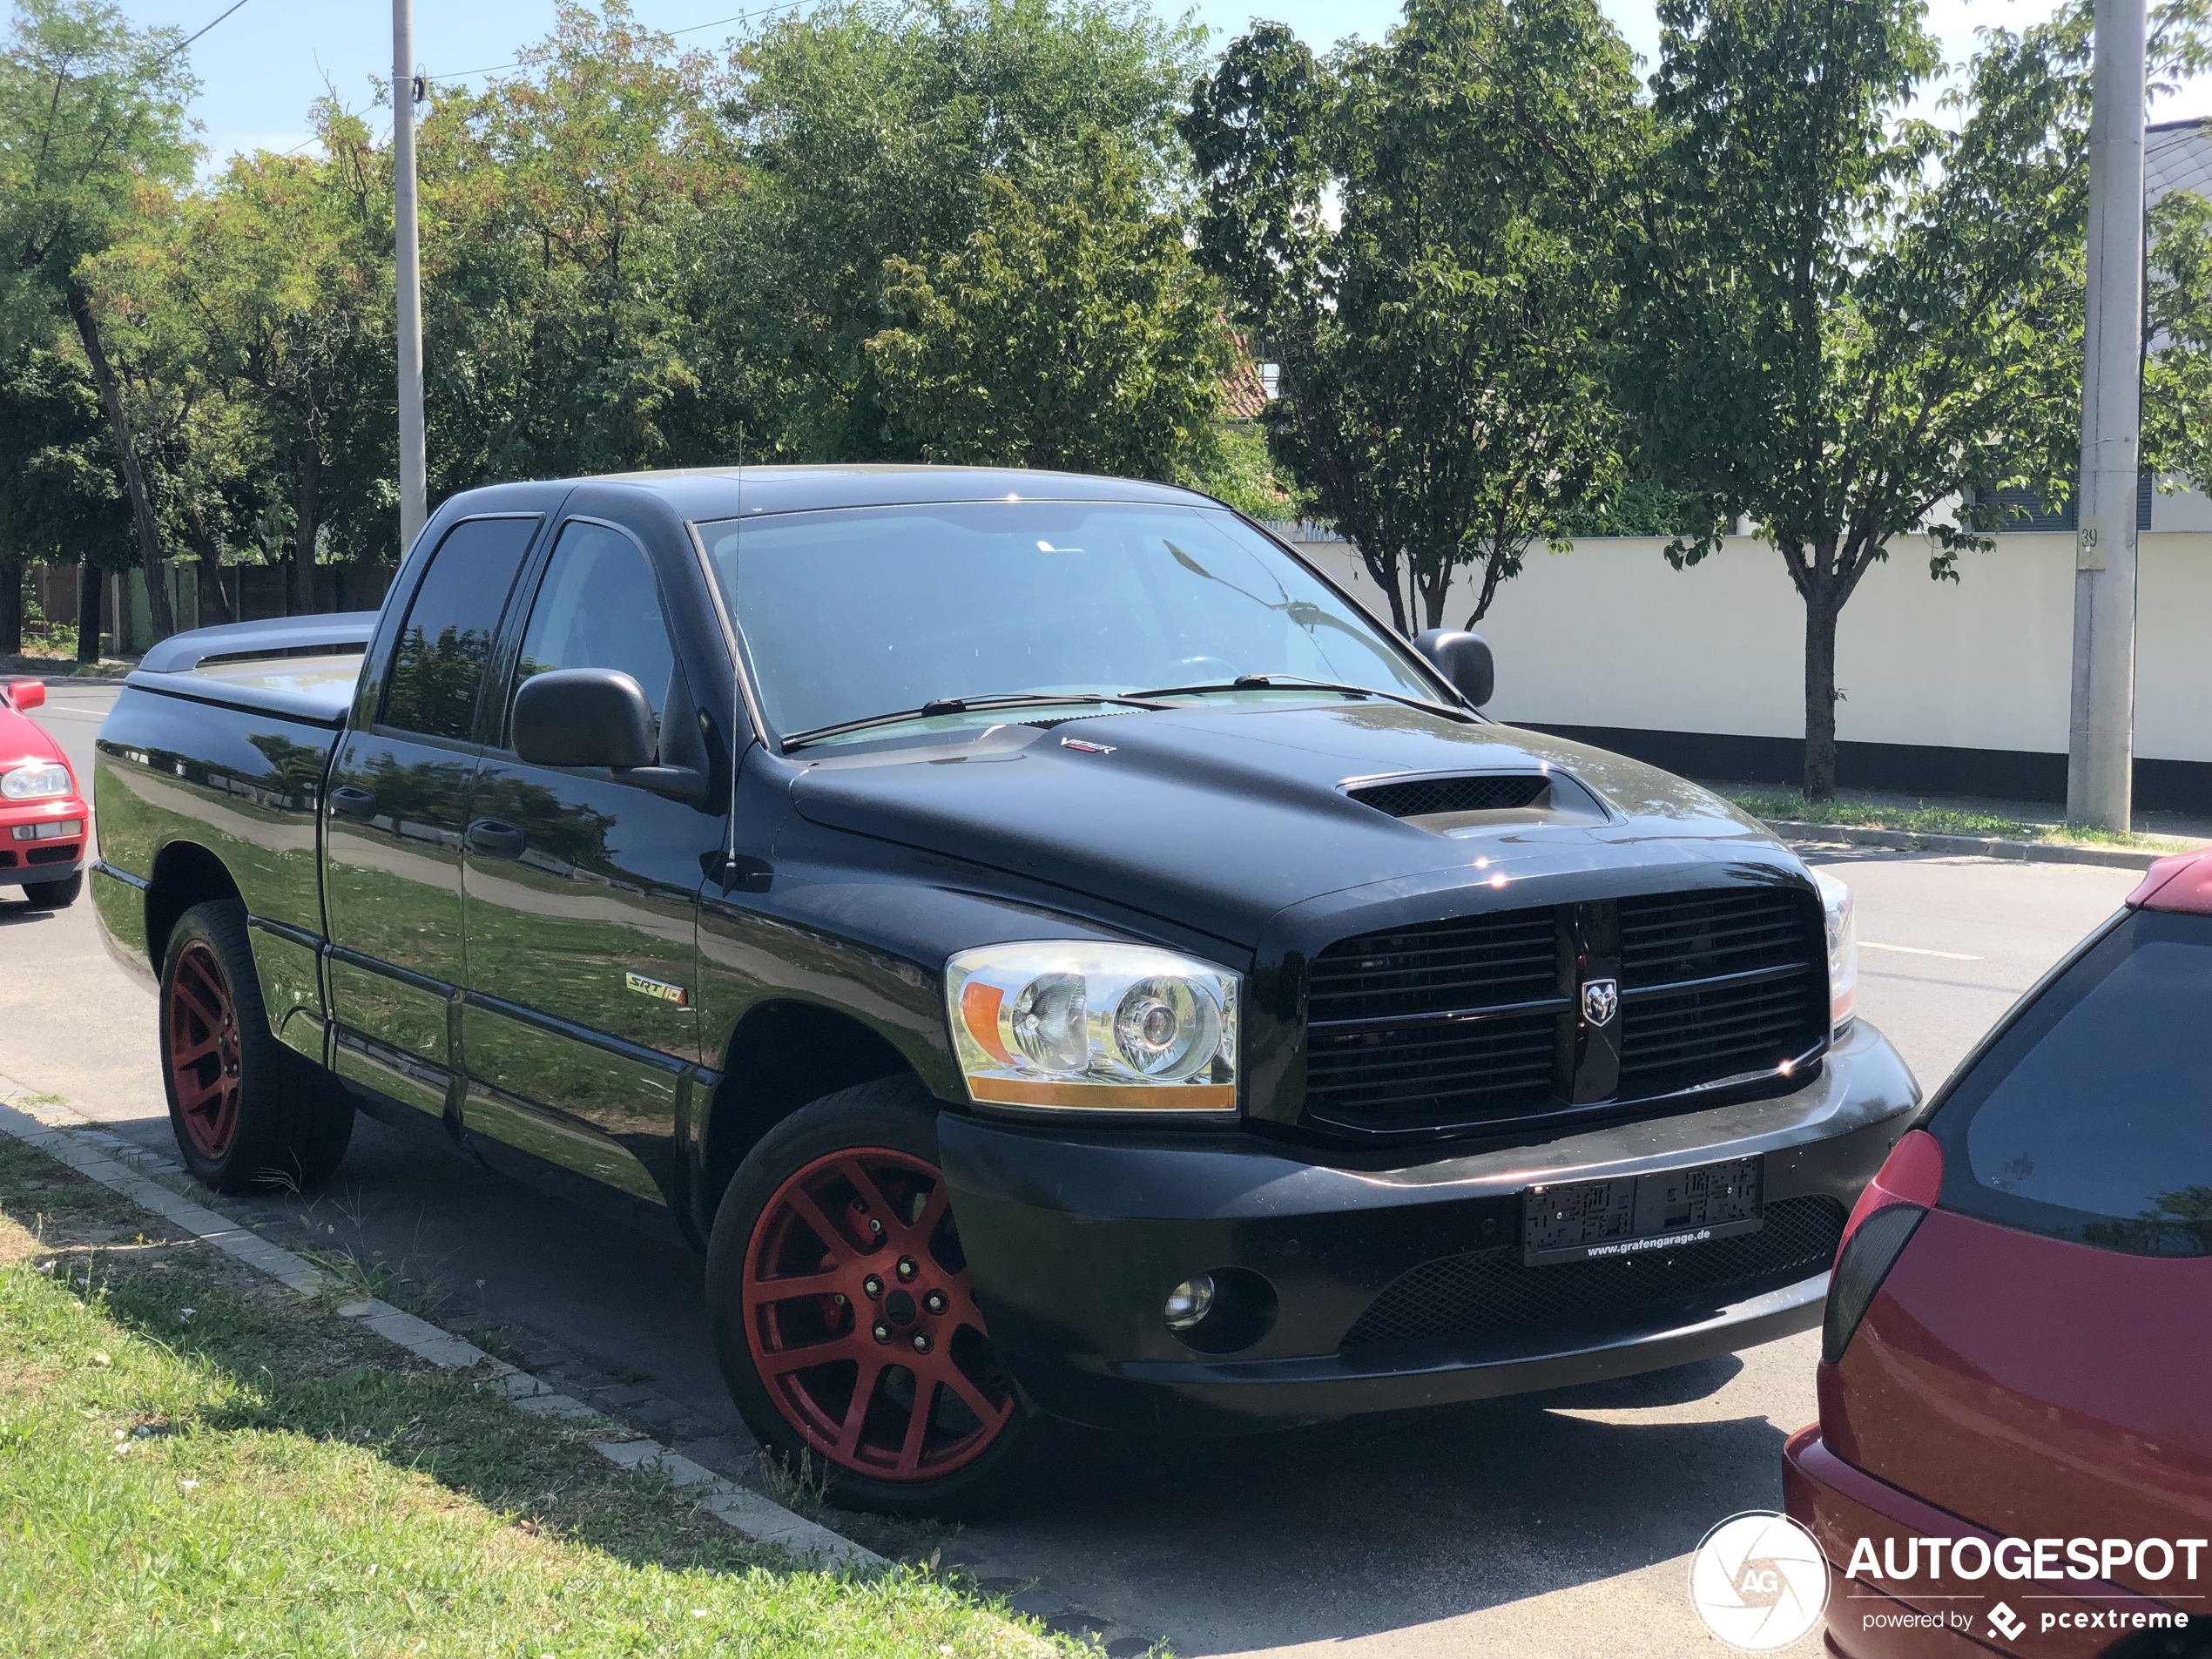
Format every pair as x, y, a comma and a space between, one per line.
1600, 1000
1759, 1581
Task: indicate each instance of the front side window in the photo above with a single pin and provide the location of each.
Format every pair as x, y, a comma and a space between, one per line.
438, 666
858, 612
2091, 1118
598, 608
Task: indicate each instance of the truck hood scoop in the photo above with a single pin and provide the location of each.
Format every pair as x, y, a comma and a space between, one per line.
1219, 818
1476, 802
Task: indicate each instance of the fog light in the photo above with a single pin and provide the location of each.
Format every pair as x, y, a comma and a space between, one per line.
1189, 1302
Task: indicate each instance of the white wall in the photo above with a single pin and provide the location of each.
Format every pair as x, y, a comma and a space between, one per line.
1611, 635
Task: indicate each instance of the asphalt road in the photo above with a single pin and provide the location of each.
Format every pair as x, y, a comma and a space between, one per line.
1555, 1525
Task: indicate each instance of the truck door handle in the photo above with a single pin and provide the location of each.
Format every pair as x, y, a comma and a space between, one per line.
496, 840
349, 802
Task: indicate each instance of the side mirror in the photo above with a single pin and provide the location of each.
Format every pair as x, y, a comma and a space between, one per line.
27, 694
1462, 659
583, 717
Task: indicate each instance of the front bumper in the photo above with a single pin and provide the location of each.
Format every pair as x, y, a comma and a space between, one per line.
1074, 1241
45, 857
1941, 1617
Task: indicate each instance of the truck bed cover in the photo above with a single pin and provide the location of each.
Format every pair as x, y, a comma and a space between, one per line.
303, 668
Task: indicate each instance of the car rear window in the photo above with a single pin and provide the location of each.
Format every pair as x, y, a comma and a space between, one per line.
2090, 1118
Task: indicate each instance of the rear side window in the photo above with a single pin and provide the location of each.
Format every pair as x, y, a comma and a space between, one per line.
2090, 1118
446, 639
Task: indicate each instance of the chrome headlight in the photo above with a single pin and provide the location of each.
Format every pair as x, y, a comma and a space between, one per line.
1842, 950
40, 780
1112, 1028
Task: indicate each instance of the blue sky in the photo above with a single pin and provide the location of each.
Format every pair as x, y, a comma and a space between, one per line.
261, 67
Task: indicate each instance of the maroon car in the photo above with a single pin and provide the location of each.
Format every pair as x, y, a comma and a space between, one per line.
2014, 1450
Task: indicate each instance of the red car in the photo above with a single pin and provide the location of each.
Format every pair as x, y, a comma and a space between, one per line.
42, 819
2014, 1450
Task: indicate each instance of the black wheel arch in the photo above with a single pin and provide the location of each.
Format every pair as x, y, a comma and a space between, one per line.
783, 1054
185, 873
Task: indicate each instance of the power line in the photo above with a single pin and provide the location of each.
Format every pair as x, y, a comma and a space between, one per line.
761, 15
196, 34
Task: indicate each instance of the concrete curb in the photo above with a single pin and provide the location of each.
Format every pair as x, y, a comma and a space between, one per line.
72, 1139
2117, 857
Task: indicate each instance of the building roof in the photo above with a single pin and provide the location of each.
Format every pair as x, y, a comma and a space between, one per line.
2177, 155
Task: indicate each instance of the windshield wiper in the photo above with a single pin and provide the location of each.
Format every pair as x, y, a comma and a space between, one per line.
1299, 682
962, 705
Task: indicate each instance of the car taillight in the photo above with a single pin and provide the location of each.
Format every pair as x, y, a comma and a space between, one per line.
1881, 1224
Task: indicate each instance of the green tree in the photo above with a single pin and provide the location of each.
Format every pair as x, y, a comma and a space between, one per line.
1069, 330
60, 499
2177, 366
873, 131
1843, 316
560, 208
1443, 338
93, 125
271, 288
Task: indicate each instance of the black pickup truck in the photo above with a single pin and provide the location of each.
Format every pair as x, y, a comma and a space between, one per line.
1059, 957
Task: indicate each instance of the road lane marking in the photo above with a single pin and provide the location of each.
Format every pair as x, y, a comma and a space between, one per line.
1915, 950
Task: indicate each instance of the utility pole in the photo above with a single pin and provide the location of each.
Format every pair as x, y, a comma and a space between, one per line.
409, 253
2100, 738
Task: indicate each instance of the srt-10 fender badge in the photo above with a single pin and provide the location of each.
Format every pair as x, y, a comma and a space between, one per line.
1087, 747
657, 989
1600, 1000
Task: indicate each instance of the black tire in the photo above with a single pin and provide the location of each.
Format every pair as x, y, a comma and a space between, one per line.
54, 895
898, 1116
247, 1112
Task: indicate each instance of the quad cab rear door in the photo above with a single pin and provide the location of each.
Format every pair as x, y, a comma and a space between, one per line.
394, 810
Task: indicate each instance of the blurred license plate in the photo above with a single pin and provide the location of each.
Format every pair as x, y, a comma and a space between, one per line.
1588, 1220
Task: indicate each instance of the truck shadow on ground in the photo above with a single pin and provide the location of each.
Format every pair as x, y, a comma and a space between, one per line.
1354, 1530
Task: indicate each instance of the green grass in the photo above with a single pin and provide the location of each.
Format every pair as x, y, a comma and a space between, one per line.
35, 666
194, 1462
1931, 820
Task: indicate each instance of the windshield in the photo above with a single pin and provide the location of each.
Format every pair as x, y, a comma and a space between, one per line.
859, 612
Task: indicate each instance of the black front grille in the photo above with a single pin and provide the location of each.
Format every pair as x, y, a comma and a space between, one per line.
1487, 1292
1686, 1038
1471, 1023
51, 854
1395, 1080
1421, 796
1670, 937
1477, 963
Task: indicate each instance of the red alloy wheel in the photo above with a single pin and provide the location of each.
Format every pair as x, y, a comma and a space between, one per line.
861, 1325
202, 1023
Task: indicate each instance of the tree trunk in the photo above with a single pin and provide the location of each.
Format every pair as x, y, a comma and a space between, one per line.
88, 612
1434, 586
11, 578
1494, 564
126, 455
307, 506
1385, 571
211, 567
1821, 613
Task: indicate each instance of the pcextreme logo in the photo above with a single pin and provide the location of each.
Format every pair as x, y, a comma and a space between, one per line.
1758, 1580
